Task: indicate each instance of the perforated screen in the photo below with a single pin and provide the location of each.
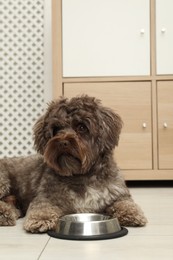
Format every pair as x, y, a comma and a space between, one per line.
22, 95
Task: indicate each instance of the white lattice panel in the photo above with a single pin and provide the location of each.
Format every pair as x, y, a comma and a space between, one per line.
21, 73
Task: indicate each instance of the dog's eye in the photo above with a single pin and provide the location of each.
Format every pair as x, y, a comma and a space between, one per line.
55, 130
81, 128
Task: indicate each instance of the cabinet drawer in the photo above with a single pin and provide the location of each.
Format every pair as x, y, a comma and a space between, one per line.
132, 101
165, 124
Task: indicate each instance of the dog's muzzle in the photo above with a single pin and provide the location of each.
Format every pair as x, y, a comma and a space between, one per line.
65, 153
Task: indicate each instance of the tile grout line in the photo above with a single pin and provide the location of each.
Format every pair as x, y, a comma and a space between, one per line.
43, 248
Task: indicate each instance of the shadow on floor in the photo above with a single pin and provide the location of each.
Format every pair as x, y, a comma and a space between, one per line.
149, 184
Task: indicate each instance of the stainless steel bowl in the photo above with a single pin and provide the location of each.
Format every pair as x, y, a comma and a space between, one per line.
85, 226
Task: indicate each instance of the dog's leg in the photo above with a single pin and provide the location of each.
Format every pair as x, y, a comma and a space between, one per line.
4, 183
8, 214
127, 212
41, 217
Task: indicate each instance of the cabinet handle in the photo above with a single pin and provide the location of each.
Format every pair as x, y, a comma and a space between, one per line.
144, 125
165, 125
163, 30
142, 31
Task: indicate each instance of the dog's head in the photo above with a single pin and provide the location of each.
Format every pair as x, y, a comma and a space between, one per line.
74, 133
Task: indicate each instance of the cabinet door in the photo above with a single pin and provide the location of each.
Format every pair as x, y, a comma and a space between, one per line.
165, 124
105, 37
164, 36
132, 101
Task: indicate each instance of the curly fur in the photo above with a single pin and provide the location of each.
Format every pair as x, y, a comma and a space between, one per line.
74, 170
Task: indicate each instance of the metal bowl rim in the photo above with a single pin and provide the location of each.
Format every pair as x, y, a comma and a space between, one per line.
87, 221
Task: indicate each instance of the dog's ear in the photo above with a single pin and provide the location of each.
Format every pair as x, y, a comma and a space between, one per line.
111, 125
40, 139
41, 131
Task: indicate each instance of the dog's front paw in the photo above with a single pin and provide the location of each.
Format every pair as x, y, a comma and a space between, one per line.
40, 222
39, 226
128, 213
8, 214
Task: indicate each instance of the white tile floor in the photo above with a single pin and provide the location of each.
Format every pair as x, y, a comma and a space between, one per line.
155, 241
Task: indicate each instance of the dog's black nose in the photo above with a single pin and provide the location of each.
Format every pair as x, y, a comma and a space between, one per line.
63, 144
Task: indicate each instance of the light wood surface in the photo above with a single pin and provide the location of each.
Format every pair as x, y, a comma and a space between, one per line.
165, 123
132, 101
57, 47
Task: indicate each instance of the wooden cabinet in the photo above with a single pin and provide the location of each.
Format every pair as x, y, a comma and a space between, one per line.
133, 102
164, 36
105, 38
121, 52
165, 124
